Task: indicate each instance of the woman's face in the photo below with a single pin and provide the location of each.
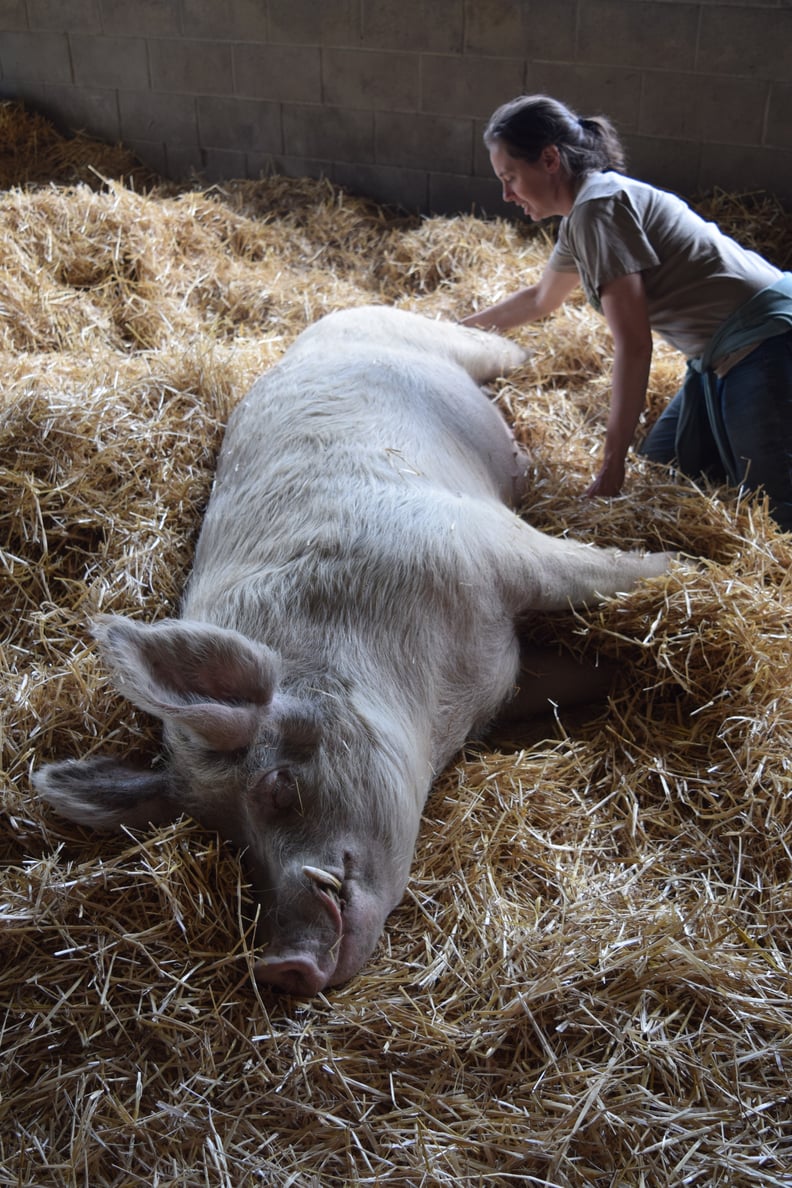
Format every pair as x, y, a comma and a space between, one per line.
540, 187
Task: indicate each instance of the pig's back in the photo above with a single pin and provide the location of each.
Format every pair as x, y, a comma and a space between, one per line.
325, 458
370, 410
355, 514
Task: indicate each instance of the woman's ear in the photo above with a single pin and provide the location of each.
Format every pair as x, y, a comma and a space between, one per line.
551, 158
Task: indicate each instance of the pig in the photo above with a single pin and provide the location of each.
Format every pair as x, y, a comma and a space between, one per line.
350, 620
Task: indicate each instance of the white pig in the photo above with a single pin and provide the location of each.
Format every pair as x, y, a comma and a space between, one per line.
350, 620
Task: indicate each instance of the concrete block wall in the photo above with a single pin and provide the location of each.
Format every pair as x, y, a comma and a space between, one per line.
389, 97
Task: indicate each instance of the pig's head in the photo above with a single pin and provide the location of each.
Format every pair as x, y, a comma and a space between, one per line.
319, 795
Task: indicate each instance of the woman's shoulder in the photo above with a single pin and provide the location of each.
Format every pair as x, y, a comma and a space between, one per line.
613, 204
602, 185
621, 187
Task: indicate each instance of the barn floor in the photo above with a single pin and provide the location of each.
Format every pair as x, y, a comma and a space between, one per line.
588, 981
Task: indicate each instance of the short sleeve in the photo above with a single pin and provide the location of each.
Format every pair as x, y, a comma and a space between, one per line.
561, 258
604, 239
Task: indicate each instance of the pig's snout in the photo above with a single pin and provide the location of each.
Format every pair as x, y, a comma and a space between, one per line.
304, 962
298, 975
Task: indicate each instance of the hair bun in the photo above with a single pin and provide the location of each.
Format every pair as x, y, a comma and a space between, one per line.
528, 124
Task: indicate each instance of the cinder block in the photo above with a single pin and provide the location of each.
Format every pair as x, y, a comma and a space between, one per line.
267, 164
35, 56
72, 16
779, 116
746, 41
482, 166
224, 164
691, 107
404, 188
239, 125
669, 164
612, 91
626, 33
86, 109
202, 167
224, 20
110, 62
416, 141
33, 94
453, 194
306, 22
150, 153
14, 16
191, 67
495, 28
667, 107
328, 133
151, 115
426, 26
183, 162
287, 73
371, 79
549, 30
140, 18
745, 170
465, 86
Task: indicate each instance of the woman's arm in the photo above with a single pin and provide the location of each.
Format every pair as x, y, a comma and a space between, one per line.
526, 305
626, 311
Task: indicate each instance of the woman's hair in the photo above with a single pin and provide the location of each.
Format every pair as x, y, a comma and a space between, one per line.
527, 125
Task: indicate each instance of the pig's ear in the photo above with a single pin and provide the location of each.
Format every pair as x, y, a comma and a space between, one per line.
105, 794
215, 683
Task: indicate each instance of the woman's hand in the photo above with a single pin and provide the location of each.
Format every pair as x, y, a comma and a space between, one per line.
609, 481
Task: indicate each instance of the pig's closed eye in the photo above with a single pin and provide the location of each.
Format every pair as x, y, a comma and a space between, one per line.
275, 791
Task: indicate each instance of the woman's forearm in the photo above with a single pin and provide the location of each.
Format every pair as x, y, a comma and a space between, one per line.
625, 307
526, 305
628, 396
505, 315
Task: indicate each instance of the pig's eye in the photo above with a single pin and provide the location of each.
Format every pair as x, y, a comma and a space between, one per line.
276, 791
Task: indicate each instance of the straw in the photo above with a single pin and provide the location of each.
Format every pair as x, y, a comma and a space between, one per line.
587, 982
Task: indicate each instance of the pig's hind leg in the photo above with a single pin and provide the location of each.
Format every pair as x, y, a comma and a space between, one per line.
552, 573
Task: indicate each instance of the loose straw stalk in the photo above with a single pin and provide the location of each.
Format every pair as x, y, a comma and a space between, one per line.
587, 983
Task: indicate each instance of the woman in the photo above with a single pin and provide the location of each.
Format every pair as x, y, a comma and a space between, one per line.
648, 262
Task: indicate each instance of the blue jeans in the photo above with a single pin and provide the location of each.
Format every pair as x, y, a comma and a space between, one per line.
754, 407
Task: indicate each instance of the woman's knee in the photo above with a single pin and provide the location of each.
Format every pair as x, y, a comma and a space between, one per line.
659, 445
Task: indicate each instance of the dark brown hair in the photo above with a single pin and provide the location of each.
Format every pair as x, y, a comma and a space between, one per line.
527, 125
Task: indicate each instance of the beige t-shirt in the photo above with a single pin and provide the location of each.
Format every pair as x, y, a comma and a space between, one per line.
694, 275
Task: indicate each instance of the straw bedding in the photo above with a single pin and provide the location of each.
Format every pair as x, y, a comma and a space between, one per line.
588, 981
